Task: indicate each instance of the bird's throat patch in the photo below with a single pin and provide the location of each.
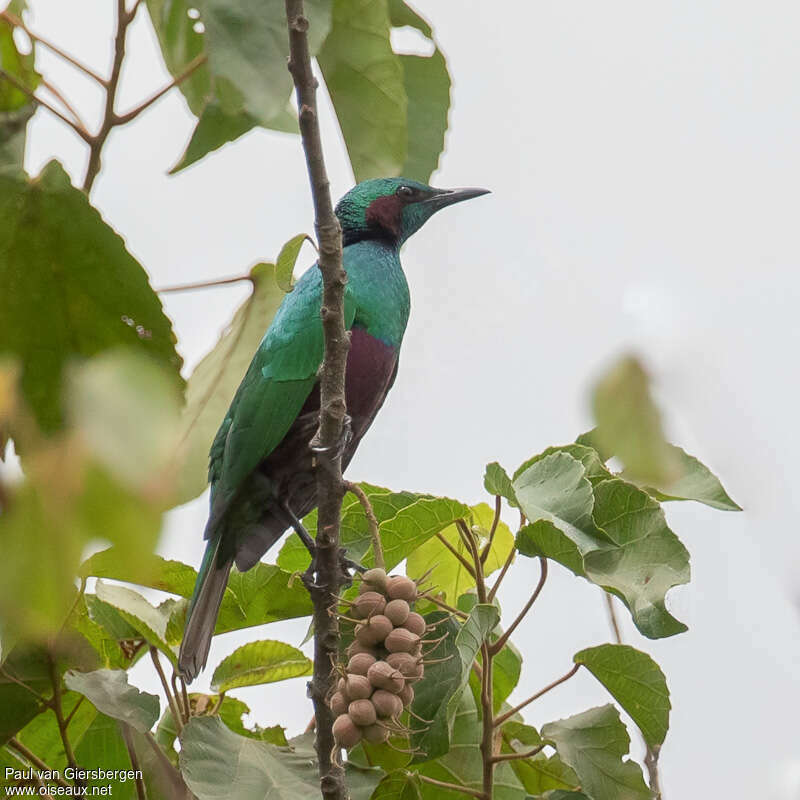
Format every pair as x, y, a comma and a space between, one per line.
386, 212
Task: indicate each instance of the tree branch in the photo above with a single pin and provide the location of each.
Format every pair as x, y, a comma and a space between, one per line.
171, 701
513, 756
128, 739
509, 561
16, 744
498, 505
58, 710
499, 720
372, 521
453, 787
497, 646
330, 489
187, 287
463, 561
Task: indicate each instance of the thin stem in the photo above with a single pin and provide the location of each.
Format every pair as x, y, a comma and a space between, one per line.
498, 506
74, 709
487, 707
499, 720
58, 710
469, 540
372, 521
464, 563
17, 22
612, 618
40, 697
513, 756
178, 698
16, 744
437, 602
82, 132
56, 92
128, 739
191, 67
187, 287
509, 561
498, 645
214, 711
186, 704
97, 141
330, 488
173, 706
453, 787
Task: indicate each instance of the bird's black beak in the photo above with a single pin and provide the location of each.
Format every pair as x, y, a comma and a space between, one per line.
447, 197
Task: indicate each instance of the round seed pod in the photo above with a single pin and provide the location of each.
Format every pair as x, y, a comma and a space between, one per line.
397, 611
420, 673
407, 695
362, 712
338, 704
416, 623
384, 676
355, 687
407, 664
375, 733
346, 732
357, 647
399, 587
368, 604
360, 663
401, 640
374, 579
386, 704
374, 630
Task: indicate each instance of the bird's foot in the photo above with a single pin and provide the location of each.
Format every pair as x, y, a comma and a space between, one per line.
336, 450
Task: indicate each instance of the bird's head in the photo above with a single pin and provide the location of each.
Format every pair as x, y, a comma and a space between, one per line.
393, 208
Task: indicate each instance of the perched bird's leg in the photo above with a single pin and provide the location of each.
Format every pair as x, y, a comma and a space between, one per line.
306, 539
336, 450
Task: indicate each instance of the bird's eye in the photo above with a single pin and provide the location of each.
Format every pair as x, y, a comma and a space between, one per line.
406, 192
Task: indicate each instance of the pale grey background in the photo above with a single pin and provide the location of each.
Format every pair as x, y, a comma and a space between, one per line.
645, 167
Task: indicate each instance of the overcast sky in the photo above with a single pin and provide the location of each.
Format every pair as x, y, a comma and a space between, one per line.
644, 164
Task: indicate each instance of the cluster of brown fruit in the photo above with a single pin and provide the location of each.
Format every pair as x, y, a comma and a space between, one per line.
384, 659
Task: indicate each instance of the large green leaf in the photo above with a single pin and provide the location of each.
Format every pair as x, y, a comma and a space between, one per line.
366, 83
629, 424
102, 747
497, 482
213, 759
438, 694
398, 785
648, 560
69, 288
593, 744
463, 763
447, 572
636, 682
255, 663
215, 379
427, 85
110, 693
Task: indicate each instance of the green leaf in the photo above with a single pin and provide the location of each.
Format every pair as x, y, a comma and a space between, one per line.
497, 482
215, 379
287, 258
110, 693
629, 424
545, 539
636, 682
213, 759
427, 84
447, 573
149, 622
153, 571
438, 694
463, 763
69, 289
366, 83
538, 773
102, 747
593, 744
398, 785
649, 558
260, 662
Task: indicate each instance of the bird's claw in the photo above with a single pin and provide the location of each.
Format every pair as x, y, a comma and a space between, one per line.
345, 565
336, 450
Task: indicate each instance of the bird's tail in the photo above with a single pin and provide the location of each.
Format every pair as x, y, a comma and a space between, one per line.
201, 618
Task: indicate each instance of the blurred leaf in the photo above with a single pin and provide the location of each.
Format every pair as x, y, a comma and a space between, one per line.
149, 622
287, 258
497, 482
69, 288
215, 379
427, 84
463, 763
213, 759
448, 574
366, 84
104, 629
398, 785
110, 693
438, 694
152, 571
13, 129
629, 424
593, 744
648, 561
636, 682
102, 747
255, 663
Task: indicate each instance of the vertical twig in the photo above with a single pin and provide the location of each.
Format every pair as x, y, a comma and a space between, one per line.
172, 702
651, 753
372, 522
330, 489
141, 794
58, 710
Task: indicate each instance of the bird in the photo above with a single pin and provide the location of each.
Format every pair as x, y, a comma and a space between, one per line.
261, 465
